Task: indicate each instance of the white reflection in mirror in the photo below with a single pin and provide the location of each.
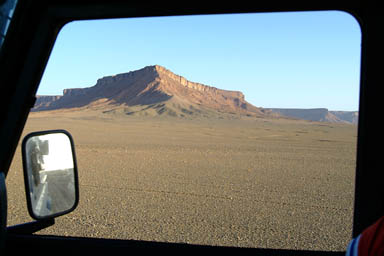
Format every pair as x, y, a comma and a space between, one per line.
50, 170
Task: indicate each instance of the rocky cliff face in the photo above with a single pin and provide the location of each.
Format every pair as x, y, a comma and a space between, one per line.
196, 86
148, 86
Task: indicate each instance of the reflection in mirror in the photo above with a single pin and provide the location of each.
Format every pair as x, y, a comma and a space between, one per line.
49, 170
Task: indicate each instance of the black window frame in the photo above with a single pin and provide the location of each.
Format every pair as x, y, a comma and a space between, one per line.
36, 24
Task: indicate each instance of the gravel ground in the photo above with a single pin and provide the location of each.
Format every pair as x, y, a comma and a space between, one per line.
249, 183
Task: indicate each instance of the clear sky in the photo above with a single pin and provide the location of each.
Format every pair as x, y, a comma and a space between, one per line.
282, 60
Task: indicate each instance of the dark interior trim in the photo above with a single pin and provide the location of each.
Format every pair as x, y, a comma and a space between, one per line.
32, 34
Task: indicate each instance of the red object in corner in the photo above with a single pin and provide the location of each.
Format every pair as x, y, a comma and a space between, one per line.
372, 239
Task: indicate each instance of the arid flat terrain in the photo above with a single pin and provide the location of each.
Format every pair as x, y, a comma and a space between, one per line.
272, 183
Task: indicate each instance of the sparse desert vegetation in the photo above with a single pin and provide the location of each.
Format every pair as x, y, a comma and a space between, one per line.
257, 182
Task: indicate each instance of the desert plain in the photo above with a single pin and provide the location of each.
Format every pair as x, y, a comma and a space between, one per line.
256, 182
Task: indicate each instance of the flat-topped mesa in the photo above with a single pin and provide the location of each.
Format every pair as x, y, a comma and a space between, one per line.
153, 72
196, 86
149, 86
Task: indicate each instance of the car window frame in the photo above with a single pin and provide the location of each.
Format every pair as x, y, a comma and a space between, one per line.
36, 24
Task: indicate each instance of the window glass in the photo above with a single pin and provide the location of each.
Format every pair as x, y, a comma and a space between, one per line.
235, 130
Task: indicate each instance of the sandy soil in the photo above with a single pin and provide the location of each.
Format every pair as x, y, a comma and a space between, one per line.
252, 183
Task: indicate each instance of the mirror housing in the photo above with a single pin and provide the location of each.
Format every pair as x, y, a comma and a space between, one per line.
50, 174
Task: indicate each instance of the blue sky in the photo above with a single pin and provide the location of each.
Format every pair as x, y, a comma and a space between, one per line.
287, 60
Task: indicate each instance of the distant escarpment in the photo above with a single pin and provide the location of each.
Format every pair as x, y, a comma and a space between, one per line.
152, 90
318, 114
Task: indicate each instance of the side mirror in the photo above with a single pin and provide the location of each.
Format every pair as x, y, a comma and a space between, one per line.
50, 174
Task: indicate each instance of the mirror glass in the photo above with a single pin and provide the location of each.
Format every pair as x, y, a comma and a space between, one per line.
49, 169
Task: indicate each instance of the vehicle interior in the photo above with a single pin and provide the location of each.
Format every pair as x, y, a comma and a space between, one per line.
24, 53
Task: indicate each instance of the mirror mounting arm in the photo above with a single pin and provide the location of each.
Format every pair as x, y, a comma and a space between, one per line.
30, 227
